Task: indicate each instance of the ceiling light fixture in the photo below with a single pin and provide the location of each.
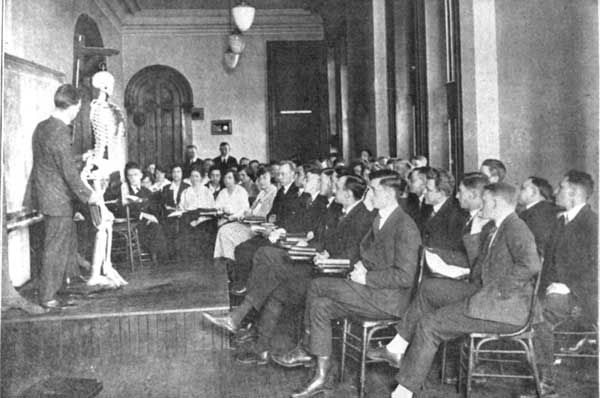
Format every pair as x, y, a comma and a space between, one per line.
243, 15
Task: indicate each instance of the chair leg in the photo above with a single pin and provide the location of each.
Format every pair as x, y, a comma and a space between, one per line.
533, 364
130, 244
345, 330
443, 370
138, 248
363, 364
470, 366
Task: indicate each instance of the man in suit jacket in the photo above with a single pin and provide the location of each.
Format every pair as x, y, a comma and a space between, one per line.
287, 212
57, 183
496, 299
538, 211
417, 208
191, 160
277, 281
225, 161
570, 275
444, 226
380, 284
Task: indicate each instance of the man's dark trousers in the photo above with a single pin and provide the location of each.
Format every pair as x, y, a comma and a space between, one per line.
437, 314
60, 246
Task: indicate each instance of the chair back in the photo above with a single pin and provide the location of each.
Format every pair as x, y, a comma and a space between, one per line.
532, 307
419, 274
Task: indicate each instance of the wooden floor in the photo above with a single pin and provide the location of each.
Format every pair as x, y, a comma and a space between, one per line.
150, 340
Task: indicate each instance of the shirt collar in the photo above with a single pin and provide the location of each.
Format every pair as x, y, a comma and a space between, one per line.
529, 206
287, 187
437, 207
385, 213
501, 220
352, 206
571, 214
61, 117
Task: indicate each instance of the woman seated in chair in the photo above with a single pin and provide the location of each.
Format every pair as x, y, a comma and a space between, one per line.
232, 199
248, 183
142, 207
232, 234
197, 230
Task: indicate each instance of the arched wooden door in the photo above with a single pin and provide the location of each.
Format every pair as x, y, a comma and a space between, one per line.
158, 100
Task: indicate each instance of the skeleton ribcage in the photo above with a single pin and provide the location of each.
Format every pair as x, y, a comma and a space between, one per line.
108, 129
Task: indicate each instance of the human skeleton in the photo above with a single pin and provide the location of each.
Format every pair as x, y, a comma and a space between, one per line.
108, 128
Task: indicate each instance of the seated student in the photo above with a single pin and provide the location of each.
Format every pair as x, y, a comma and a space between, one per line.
570, 277
191, 160
244, 162
215, 182
418, 208
276, 281
233, 198
232, 234
538, 209
197, 231
160, 179
143, 208
171, 198
287, 213
443, 228
495, 300
150, 170
365, 157
493, 169
147, 181
357, 168
248, 183
380, 284
254, 166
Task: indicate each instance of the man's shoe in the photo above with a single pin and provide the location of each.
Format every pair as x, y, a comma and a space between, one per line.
224, 322
294, 358
382, 354
58, 305
245, 336
253, 357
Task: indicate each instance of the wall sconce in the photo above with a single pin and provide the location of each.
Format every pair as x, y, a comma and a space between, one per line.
236, 43
231, 59
243, 15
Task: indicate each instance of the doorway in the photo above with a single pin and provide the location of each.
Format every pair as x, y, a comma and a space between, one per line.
297, 100
159, 101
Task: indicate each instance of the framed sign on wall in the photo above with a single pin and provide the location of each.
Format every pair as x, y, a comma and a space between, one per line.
220, 127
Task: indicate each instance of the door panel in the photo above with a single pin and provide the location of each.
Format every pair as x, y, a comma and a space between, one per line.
298, 107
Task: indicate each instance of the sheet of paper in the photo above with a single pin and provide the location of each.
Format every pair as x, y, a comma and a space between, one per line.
439, 266
177, 213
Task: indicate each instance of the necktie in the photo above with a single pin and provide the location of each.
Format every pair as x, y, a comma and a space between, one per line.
564, 220
376, 223
489, 238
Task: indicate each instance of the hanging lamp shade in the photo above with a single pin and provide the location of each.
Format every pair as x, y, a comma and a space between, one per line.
243, 15
231, 59
236, 43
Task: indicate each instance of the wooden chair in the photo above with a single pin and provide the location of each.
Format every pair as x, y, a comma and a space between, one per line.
355, 345
126, 240
501, 345
570, 335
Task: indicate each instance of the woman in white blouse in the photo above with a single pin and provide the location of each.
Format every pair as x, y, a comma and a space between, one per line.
232, 234
198, 232
233, 199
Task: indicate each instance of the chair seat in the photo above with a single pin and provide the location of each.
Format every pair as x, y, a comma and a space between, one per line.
371, 323
498, 336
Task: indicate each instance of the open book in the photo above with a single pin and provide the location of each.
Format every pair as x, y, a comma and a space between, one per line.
438, 266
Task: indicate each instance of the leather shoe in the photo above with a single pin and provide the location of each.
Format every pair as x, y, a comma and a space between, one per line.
245, 336
383, 355
57, 305
294, 358
253, 357
224, 322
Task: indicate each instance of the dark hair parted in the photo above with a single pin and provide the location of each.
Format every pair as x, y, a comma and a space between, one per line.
581, 179
497, 168
503, 190
390, 179
66, 95
444, 181
262, 171
475, 181
543, 186
356, 185
234, 173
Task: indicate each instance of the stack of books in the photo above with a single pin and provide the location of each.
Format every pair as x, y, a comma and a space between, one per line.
254, 219
333, 266
302, 253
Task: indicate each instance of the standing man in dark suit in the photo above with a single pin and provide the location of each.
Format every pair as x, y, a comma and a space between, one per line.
57, 183
417, 208
570, 277
538, 210
380, 284
496, 299
191, 160
443, 228
277, 281
225, 161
